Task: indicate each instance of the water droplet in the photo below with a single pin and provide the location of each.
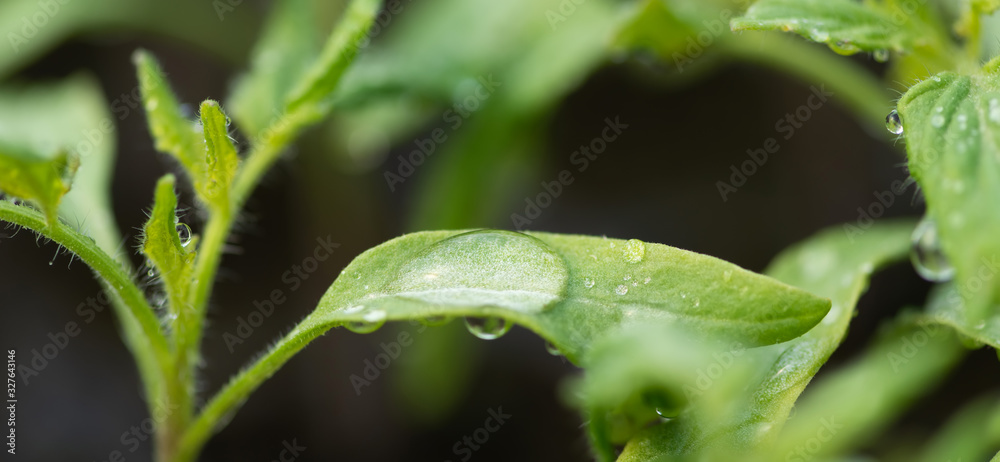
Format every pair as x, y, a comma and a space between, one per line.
150, 273
646, 281
588, 282
893, 124
353, 309
488, 328
502, 269
184, 233
962, 120
843, 47
627, 277
881, 55
727, 275
927, 255
981, 325
937, 120
552, 349
435, 321
661, 402
373, 320
697, 302
634, 250
152, 104
622, 289
819, 35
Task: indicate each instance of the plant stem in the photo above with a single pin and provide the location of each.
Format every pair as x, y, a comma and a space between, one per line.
142, 332
225, 403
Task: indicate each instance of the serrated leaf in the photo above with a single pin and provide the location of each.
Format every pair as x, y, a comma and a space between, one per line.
952, 129
69, 116
346, 41
569, 289
42, 180
836, 263
162, 245
289, 44
221, 159
172, 132
847, 26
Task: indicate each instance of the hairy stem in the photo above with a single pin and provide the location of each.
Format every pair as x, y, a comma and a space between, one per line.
142, 332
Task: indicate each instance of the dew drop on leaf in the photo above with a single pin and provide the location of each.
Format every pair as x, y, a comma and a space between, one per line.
373, 320
634, 250
843, 47
552, 349
926, 254
504, 269
435, 321
588, 282
487, 328
893, 124
937, 120
622, 289
881, 55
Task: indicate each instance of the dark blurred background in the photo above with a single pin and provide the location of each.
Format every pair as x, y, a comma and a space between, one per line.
657, 183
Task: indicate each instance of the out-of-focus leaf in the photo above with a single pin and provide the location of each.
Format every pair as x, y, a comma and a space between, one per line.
42, 180
30, 28
290, 43
640, 374
162, 245
952, 127
71, 116
569, 289
847, 26
837, 264
904, 363
221, 161
347, 40
972, 434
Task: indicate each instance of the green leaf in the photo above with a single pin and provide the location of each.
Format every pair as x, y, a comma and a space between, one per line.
289, 44
70, 117
569, 289
847, 26
347, 40
173, 133
952, 130
636, 375
43, 180
908, 360
221, 160
837, 263
947, 306
162, 245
